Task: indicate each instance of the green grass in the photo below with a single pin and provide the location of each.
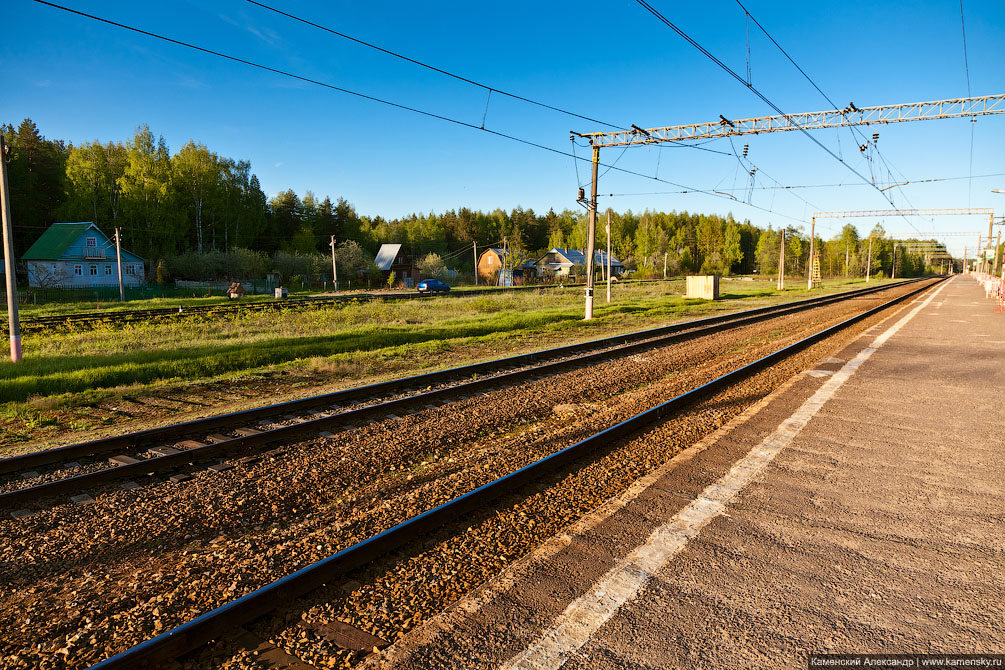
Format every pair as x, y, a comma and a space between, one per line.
353, 340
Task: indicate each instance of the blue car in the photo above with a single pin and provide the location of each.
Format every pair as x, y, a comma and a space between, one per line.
432, 286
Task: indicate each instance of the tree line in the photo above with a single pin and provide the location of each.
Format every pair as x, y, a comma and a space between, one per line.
182, 210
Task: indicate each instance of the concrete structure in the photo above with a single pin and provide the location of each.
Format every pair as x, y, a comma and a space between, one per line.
858, 508
79, 255
705, 287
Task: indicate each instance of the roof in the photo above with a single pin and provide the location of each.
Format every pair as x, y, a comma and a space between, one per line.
386, 255
497, 250
56, 239
578, 256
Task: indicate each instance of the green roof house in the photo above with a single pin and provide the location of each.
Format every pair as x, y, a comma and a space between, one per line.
75, 255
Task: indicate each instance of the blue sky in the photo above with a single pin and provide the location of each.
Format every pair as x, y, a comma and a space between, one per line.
80, 80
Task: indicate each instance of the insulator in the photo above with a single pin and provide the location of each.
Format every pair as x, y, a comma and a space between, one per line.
582, 195
875, 136
746, 147
863, 147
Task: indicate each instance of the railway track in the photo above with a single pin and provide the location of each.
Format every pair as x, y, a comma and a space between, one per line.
245, 437
227, 621
81, 583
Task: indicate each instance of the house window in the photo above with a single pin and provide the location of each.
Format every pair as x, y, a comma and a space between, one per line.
92, 242
52, 268
490, 260
108, 269
78, 270
130, 269
94, 270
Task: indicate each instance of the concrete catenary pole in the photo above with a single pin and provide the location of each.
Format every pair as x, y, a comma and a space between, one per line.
591, 230
8, 257
334, 269
608, 255
780, 284
997, 259
990, 261
118, 262
502, 273
868, 262
809, 265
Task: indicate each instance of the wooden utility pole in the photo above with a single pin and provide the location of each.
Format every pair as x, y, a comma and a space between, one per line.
118, 259
8, 257
591, 230
809, 266
608, 255
780, 284
334, 270
868, 262
847, 256
664, 265
474, 247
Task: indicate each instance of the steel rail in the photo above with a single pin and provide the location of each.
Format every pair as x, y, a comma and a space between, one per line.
247, 443
40, 322
153, 436
220, 622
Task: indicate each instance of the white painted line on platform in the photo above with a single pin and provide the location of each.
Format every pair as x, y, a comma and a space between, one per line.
585, 615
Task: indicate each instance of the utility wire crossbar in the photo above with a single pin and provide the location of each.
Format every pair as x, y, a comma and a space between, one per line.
850, 116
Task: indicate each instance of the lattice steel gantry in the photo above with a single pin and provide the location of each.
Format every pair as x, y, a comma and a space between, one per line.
837, 118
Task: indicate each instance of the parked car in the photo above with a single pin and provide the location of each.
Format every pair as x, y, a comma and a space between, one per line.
432, 286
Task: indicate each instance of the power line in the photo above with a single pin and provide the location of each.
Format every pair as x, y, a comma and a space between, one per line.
973, 121
852, 129
490, 89
760, 95
386, 102
799, 186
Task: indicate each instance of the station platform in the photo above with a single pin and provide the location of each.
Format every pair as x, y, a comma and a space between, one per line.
858, 509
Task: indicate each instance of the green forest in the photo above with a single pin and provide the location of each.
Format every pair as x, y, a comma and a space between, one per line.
194, 213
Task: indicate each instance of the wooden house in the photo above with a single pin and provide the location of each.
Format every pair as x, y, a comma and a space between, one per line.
79, 255
562, 262
390, 258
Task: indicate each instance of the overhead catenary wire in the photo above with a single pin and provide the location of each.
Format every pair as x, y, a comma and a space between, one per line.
389, 103
489, 89
663, 19
973, 121
860, 138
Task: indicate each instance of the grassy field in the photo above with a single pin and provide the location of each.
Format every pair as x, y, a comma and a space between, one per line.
64, 376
